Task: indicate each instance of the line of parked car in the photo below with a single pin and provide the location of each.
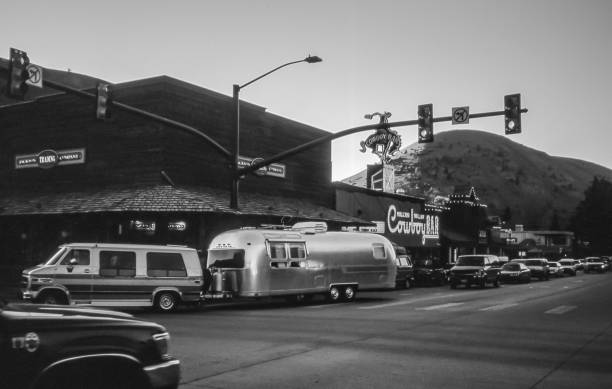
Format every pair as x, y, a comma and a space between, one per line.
483, 269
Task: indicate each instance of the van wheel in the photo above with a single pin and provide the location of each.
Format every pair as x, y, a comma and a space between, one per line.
334, 294
166, 301
52, 298
349, 293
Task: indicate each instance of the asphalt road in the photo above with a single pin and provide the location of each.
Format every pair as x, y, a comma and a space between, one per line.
546, 334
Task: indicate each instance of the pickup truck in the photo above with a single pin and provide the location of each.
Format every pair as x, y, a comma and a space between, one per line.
52, 346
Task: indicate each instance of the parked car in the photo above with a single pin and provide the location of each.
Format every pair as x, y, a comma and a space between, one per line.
554, 269
475, 269
405, 270
568, 266
597, 264
515, 272
579, 263
429, 272
50, 346
538, 267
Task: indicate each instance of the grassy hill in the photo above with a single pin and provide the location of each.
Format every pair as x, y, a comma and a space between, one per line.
533, 184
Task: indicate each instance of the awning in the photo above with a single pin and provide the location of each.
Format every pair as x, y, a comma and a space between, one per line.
166, 198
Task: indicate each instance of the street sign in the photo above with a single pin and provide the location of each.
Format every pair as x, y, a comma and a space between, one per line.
35, 75
461, 115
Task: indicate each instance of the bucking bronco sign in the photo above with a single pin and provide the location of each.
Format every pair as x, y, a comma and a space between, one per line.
385, 142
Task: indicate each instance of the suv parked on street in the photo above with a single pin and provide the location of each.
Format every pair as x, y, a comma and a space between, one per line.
475, 269
51, 346
597, 264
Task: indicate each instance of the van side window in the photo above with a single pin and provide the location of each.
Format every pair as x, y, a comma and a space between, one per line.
82, 256
117, 263
378, 250
165, 265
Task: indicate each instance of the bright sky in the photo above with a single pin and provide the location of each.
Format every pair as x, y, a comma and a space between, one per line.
377, 56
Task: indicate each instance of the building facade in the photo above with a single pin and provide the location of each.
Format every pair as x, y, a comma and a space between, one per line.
67, 176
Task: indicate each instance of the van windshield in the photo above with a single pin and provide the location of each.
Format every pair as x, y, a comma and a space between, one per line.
227, 259
57, 255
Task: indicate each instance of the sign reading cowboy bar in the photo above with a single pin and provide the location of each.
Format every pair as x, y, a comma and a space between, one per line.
47, 159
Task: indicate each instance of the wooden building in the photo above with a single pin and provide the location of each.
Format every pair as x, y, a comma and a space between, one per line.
67, 176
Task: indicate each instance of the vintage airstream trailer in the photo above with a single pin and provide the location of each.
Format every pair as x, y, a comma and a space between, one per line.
299, 263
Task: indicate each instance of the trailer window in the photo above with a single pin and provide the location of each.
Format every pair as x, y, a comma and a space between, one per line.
226, 259
277, 250
297, 250
378, 250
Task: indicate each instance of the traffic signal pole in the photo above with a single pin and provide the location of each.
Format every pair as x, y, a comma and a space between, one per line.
313, 143
139, 112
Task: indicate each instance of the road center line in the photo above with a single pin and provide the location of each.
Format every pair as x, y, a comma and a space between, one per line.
499, 307
441, 306
405, 302
561, 309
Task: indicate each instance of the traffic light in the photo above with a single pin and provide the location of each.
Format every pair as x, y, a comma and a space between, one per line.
512, 113
425, 113
18, 74
103, 101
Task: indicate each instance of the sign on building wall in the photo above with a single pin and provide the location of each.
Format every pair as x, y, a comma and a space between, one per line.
406, 221
273, 169
401, 221
47, 159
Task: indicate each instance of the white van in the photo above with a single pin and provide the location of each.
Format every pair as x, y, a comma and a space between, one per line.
116, 275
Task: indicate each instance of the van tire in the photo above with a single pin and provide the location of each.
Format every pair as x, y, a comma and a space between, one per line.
166, 301
52, 298
349, 293
334, 294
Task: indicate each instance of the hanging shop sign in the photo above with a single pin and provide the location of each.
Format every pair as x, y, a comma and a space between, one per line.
385, 142
273, 169
47, 159
177, 226
409, 222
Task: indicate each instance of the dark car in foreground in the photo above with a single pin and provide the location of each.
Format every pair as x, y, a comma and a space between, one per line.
515, 272
50, 346
475, 269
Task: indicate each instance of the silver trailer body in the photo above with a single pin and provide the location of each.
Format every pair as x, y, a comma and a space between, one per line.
264, 262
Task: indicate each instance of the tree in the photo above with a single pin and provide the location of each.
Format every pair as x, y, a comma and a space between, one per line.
592, 220
507, 217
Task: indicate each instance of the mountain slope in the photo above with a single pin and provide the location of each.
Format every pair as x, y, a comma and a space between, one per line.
531, 183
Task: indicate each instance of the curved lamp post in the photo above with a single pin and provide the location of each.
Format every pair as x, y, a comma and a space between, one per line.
236, 102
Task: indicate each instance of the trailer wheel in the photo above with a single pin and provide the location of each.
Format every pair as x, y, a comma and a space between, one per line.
349, 293
334, 294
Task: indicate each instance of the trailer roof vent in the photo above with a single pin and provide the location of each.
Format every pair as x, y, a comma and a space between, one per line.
310, 227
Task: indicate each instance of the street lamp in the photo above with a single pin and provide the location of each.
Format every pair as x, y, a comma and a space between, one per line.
236, 101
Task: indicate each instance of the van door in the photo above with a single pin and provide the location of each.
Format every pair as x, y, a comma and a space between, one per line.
74, 271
